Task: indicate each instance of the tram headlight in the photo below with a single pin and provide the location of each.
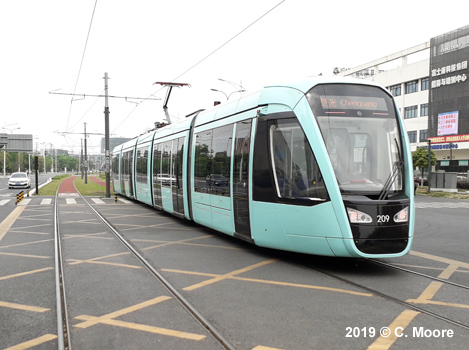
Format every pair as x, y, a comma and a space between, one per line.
358, 217
402, 216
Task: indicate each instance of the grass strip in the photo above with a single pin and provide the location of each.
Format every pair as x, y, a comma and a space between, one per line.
89, 189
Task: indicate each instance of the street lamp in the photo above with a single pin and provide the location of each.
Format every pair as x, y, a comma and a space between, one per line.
11, 130
5, 151
237, 86
227, 96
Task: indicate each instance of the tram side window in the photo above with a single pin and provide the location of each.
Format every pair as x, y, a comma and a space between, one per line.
156, 174
115, 167
219, 177
296, 172
212, 168
203, 160
166, 164
142, 162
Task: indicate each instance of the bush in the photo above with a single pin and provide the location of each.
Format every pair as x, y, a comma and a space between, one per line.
463, 185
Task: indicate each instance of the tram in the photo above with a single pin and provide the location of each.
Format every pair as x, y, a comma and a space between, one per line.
320, 166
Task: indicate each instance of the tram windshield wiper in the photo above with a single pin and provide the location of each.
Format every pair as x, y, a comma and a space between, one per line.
396, 169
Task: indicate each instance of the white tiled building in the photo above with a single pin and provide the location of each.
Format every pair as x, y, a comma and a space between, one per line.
408, 76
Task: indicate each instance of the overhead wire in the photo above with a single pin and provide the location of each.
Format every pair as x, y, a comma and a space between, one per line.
203, 59
81, 63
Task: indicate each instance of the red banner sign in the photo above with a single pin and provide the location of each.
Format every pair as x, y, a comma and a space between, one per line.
452, 138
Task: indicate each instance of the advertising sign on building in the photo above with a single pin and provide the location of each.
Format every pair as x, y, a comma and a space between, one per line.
448, 123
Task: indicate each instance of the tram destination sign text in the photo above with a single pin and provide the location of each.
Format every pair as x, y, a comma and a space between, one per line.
353, 102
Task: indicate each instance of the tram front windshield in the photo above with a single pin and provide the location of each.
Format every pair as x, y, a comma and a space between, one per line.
361, 133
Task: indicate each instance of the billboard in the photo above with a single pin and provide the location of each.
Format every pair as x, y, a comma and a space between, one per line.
448, 123
449, 84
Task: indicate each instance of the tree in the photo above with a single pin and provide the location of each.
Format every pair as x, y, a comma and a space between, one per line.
420, 158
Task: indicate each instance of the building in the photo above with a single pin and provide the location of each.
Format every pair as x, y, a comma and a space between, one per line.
113, 142
431, 87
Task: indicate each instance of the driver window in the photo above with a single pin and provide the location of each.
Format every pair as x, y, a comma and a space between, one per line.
296, 172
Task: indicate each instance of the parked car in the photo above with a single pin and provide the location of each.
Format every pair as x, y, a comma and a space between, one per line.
215, 179
165, 179
19, 180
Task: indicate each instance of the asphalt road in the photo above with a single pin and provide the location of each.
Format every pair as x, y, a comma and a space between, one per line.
258, 298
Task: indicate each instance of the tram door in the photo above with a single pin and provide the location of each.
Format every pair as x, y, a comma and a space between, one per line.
241, 178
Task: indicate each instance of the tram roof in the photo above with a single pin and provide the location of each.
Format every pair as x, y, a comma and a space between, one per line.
272, 93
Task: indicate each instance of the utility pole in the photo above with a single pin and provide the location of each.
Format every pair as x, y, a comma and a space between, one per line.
429, 163
106, 138
86, 161
81, 159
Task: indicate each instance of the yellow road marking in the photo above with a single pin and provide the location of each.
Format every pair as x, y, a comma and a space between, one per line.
22, 307
27, 243
26, 255
175, 242
308, 286
6, 224
430, 291
33, 342
338, 290
121, 312
404, 319
17, 230
430, 268
25, 273
440, 259
446, 274
228, 275
142, 327
99, 258
87, 235
432, 302
103, 263
401, 322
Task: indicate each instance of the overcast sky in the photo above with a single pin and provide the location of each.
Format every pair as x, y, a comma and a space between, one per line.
139, 42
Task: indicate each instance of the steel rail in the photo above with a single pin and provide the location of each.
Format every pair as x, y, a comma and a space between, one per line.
63, 327
382, 295
417, 273
171, 289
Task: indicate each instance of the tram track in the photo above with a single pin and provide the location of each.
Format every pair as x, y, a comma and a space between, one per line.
403, 269
63, 325
209, 327
385, 295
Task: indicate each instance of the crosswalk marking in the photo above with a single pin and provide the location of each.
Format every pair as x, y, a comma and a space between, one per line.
25, 201
70, 200
49, 201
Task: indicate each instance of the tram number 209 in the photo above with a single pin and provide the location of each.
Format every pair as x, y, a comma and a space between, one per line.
382, 218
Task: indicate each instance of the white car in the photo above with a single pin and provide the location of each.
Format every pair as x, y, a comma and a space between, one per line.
19, 180
165, 179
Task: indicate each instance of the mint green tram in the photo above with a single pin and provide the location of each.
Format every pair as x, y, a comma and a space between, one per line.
320, 166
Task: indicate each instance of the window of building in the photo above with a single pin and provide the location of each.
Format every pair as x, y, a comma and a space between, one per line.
423, 135
425, 84
424, 110
395, 90
410, 112
411, 86
412, 136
